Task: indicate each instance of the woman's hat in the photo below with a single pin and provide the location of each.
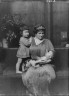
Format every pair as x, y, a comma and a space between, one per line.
39, 27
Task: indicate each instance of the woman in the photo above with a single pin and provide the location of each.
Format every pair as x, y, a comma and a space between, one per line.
40, 72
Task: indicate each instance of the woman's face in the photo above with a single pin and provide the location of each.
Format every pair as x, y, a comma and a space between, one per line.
40, 34
25, 33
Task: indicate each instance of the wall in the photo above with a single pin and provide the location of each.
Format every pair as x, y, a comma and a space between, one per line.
59, 22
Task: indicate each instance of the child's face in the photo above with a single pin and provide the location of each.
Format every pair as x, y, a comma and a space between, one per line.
25, 33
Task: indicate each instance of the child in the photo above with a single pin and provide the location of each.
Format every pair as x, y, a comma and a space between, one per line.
23, 51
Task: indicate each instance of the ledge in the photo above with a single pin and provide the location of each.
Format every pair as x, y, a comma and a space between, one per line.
17, 48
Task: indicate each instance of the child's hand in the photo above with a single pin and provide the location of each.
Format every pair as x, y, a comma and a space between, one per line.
32, 62
28, 64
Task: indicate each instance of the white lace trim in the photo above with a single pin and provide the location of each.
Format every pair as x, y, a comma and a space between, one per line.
37, 41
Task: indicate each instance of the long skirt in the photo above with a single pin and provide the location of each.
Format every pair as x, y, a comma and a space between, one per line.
37, 80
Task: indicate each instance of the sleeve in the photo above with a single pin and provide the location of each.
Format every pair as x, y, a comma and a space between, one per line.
25, 42
21, 41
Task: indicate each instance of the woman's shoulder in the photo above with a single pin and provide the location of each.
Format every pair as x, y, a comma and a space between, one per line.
47, 40
22, 41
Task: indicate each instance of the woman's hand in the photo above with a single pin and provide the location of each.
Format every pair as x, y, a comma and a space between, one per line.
48, 60
43, 60
49, 54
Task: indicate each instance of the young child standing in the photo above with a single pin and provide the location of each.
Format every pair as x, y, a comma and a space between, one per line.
23, 51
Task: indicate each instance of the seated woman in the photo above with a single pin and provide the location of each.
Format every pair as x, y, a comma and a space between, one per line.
40, 71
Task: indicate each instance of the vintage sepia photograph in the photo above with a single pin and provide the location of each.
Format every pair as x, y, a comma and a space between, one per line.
34, 45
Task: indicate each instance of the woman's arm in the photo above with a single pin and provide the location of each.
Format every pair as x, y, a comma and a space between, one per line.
50, 50
49, 54
46, 58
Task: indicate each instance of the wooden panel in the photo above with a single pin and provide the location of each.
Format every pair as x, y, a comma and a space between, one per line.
60, 21
4, 8
31, 11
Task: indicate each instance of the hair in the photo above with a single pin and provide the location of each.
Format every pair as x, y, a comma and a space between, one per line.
25, 27
39, 27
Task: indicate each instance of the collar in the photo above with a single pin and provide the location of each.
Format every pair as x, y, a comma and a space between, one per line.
37, 41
